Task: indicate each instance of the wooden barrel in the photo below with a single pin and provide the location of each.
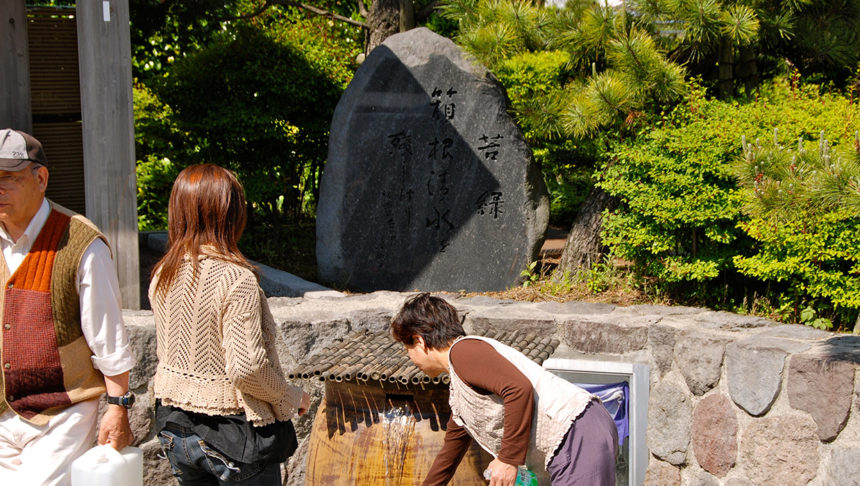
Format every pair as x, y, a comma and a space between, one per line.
383, 435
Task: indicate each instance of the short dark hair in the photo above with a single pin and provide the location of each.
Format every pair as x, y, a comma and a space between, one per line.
432, 318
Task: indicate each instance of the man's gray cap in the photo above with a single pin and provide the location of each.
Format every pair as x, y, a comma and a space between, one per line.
18, 149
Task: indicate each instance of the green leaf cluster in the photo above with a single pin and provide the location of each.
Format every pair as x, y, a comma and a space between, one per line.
614, 68
803, 205
681, 204
532, 81
577, 77
154, 138
256, 98
818, 37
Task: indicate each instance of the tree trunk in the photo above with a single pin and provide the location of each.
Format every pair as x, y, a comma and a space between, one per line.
407, 15
386, 18
749, 69
583, 245
857, 326
727, 58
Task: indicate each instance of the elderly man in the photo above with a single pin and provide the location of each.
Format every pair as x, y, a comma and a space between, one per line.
63, 340
507, 403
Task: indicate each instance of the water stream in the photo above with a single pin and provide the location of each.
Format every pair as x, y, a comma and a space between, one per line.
398, 425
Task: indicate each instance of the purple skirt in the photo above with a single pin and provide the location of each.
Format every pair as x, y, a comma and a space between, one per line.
586, 456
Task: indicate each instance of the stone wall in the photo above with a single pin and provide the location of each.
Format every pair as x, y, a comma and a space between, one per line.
734, 400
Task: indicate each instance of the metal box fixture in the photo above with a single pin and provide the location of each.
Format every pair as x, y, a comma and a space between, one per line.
633, 454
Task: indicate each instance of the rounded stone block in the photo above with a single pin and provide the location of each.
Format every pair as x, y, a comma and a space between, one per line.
702, 478
429, 182
669, 420
700, 357
661, 342
156, 470
738, 482
142, 341
824, 388
715, 431
511, 318
661, 473
756, 392
591, 336
844, 468
575, 307
780, 450
729, 320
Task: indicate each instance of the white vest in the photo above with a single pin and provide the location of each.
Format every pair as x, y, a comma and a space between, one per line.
557, 404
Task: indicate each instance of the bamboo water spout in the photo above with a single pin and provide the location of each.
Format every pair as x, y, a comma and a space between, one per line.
383, 420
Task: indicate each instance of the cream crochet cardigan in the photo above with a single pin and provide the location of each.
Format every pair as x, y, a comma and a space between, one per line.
216, 345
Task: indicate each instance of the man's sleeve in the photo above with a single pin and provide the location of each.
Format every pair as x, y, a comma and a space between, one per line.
482, 367
457, 442
101, 314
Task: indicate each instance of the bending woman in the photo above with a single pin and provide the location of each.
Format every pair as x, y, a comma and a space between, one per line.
222, 403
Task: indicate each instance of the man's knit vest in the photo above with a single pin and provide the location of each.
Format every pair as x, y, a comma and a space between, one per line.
557, 404
46, 361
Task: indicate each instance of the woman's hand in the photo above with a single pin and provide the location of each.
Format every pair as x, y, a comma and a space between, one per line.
305, 404
501, 474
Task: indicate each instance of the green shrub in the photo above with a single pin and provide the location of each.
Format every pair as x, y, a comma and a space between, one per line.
680, 202
258, 100
270, 122
804, 210
155, 138
534, 80
154, 180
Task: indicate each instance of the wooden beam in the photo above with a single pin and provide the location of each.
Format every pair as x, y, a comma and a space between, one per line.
104, 48
15, 102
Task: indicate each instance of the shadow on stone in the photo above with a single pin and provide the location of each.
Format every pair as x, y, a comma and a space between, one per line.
420, 205
843, 348
429, 183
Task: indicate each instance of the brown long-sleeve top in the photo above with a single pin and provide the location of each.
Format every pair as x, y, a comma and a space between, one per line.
479, 365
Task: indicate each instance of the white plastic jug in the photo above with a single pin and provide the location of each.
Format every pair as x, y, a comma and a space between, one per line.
104, 466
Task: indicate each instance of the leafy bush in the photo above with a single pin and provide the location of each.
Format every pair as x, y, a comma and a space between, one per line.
154, 138
256, 98
270, 123
532, 81
680, 203
804, 209
275, 89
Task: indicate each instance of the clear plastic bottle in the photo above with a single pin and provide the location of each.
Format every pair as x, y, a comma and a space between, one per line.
524, 477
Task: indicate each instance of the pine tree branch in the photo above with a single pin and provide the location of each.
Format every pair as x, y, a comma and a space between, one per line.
630, 51
602, 95
362, 9
246, 16
310, 8
609, 103
323, 13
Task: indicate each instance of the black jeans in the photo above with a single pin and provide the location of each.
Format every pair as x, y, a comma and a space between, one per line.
194, 463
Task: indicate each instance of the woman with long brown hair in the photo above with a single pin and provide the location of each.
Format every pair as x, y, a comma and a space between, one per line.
222, 403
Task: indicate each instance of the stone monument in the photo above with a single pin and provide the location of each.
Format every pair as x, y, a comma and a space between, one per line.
429, 184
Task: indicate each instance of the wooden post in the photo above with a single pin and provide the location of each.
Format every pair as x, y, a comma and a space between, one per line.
104, 49
15, 103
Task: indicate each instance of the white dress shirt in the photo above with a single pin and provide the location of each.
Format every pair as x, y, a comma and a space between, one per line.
98, 289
